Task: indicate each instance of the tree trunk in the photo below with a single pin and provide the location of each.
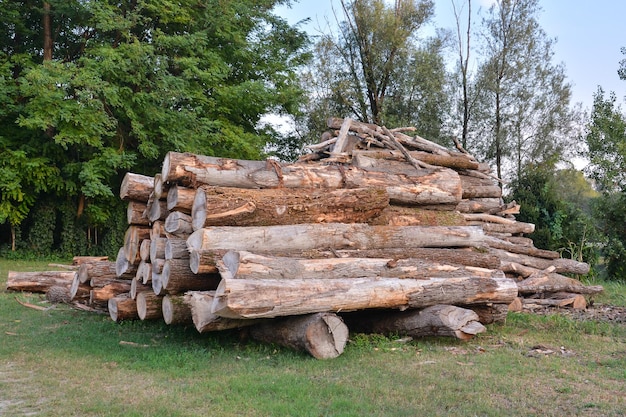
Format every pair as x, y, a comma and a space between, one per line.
38, 281
441, 186
332, 235
178, 224
417, 216
79, 291
438, 320
479, 187
204, 320
135, 213
122, 265
132, 241
217, 206
99, 297
176, 310
122, 307
455, 161
137, 286
322, 335
496, 243
267, 298
551, 282
88, 270
157, 248
180, 199
561, 265
176, 248
136, 187
246, 265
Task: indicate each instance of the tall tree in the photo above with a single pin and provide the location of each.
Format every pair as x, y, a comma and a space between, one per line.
98, 87
525, 98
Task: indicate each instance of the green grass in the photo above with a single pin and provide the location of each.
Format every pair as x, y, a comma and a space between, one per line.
66, 362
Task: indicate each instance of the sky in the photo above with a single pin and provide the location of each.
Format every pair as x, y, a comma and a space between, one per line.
589, 35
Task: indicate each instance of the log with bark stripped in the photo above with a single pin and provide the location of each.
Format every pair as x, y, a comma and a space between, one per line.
322, 335
438, 320
266, 298
38, 281
220, 206
136, 187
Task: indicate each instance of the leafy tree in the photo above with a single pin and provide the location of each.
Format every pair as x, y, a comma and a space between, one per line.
94, 88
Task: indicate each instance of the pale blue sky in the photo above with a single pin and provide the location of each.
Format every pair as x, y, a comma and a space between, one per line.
589, 36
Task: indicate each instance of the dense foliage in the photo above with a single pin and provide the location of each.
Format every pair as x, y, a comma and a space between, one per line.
91, 89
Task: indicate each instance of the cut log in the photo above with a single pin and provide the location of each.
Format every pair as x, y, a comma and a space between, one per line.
176, 248
552, 282
99, 297
204, 320
513, 228
204, 261
561, 265
441, 186
122, 307
479, 187
135, 213
417, 216
79, 260
157, 210
38, 281
332, 235
453, 160
122, 265
496, 243
267, 298
157, 249
177, 277
79, 291
178, 224
88, 270
136, 187
575, 301
176, 310
160, 188
180, 199
490, 312
149, 306
137, 286
438, 320
218, 206
322, 335
132, 240
158, 229
144, 250
247, 265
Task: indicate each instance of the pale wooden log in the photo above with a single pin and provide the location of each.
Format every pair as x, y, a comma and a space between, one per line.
267, 298
394, 215
122, 266
122, 307
137, 286
515, 269
79, 291
552, 282
99, 297
144, 272
157, 210
157, 249
487, 218
340, 144
176, 248
160, 188
177, 277
102, 281
479, 188
575, 301
514, 228
561, 265
392, 166
206, 261
333, 235
178, 224
180, 199
135, 213
247, 265
132, 240
481, 205
38, 281
285, 206
144, 250
157, 284
496, 243
87, 270
176, 310
149, 306
205, 321
136, 187
78, 260
441, 186
438, 320
158, 229
322, 335
454, 160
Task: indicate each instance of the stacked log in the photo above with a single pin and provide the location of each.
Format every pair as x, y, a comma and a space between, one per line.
373, 229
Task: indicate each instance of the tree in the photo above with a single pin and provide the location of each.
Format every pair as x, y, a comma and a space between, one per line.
98, 87
525, 115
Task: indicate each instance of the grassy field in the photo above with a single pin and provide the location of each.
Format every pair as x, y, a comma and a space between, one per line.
64, 362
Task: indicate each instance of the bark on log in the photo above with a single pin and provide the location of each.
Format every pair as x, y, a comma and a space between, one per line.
217, 206
157, 210
417, 216
136, 187
490, 312
99, 297
144, 250
38, 281
180, 199
178, 224
441, 186
205, 321
575, 301
79, 291
157, 249
176, 310
88, 270
135, 213
177, 277
204, 262
454, 160
479, 188
514, 228
149, 306
332, 235
552, 282
561, 265
322, 335
122, 265
247, 265
158, 230
79, 260
438, 320
132, 239
480, 205
496, 243
122, 307
176, 248
267, 298
137, 286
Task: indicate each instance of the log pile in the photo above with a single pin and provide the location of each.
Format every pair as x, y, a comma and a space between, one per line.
373, 230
